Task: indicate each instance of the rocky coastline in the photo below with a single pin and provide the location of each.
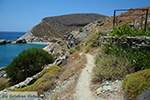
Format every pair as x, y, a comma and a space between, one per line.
3, 41
29, 38
71, 39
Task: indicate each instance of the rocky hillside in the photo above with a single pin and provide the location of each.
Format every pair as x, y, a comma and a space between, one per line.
52, 28
75, 62
57, 26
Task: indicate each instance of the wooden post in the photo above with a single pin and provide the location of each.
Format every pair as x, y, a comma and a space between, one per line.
142, 22
146, 19
114, 18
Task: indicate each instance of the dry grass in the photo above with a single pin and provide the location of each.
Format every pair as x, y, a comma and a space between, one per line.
3, 80
44, 83
93, 40
75, 64
111, 67
66, 94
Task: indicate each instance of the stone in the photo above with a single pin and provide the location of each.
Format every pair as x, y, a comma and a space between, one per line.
17, 86
11, 88
136, 42
28, 80
99, 90
107, 88
145, 95
5, 75
8, 41
2, 73
42, 96
36, 76
22, 84
60, 60
3, 41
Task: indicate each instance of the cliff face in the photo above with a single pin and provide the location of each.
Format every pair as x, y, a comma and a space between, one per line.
56, 27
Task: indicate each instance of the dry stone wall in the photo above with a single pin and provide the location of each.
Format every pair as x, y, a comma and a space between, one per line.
137, 42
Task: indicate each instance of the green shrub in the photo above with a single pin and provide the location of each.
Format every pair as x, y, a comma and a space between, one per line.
3, 86
110, 67
93, 40
81, 29
28, 63
139, 57
46, 82
76, 48
53, 41
136, 83
126, 30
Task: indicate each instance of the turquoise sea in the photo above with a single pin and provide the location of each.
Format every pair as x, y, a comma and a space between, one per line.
9, 51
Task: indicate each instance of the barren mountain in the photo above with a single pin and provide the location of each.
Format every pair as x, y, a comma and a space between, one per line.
57, 26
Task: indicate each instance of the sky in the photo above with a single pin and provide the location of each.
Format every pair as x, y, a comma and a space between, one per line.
22, 15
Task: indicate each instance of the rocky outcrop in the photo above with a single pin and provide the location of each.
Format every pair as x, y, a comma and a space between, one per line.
28, 38
109, 90
53, 48
8, 41
145, 95
2, 72
55, 27
18, 41
3, 41
75, 37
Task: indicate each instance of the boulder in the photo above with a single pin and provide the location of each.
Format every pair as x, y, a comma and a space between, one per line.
3, 41
22, 84
28, 80
8, 41
19, 41
145, 95
2, 73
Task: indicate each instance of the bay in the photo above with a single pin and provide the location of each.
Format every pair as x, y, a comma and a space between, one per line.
9, 51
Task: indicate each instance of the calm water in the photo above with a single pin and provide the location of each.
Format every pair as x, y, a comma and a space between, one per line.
9, 51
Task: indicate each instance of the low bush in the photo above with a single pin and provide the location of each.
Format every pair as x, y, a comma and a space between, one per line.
28, 63
53, 41
46, 82
139, 57
136, 83
126, 30
76, 48
80, 29
110, 67
93, 40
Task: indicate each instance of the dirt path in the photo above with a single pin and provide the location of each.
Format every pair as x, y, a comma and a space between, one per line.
83, 91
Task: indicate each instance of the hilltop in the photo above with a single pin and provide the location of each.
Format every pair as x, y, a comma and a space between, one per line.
53, 28
59, 25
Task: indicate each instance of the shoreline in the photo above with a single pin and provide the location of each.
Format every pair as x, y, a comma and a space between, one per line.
36, 43
44, 43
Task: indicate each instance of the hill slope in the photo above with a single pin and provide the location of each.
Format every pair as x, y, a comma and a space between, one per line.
57, 26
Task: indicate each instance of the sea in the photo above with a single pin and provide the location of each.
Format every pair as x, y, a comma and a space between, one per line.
9, 51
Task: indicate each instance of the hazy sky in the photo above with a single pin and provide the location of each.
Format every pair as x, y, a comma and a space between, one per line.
22, 15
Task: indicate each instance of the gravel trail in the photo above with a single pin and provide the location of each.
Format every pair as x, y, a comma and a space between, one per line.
83, 91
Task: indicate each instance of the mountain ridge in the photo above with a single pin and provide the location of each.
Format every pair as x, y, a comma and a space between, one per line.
56, 26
